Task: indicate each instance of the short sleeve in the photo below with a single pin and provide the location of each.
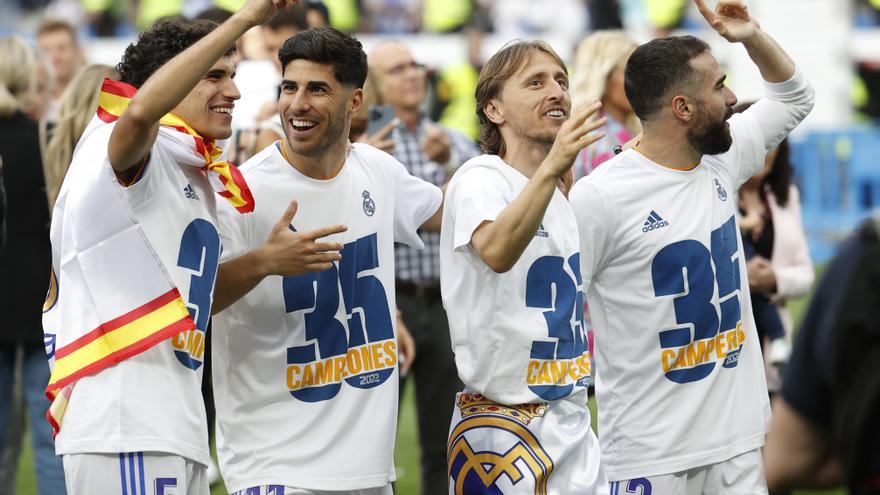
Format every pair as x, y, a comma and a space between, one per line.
415, 201
593, 219
477, 195
233, 227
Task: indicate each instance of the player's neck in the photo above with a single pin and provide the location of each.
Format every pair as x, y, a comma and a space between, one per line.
525, 155
324, 166
670, 151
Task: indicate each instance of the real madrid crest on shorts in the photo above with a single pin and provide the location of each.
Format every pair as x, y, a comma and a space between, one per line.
722, 194
369, 204
492, 450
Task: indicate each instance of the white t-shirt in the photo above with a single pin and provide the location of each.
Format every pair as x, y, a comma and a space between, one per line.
679, 374
153, 401
518, 336
305, 378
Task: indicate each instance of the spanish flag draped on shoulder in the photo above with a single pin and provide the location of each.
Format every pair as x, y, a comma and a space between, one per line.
110, 297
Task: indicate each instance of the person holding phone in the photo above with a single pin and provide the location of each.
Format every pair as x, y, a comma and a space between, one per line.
429, 152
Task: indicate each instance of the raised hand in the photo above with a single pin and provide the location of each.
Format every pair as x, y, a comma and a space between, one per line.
381, 139
260, 11
730, 19
436, 144
288, 253
574, 135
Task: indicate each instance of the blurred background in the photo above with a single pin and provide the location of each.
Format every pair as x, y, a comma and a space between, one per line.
836, 43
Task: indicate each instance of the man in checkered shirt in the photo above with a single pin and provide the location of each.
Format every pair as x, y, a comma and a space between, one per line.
430, 153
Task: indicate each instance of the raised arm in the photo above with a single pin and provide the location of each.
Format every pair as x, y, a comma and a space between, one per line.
137, 127
501, 242
732, 21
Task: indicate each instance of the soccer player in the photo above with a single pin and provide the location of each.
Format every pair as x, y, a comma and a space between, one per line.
136, 262
305, 364
680, 381
511, 287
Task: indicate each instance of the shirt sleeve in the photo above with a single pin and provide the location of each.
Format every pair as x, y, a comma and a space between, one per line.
415, 201
766, 123
478, 195
593, 220
233, 227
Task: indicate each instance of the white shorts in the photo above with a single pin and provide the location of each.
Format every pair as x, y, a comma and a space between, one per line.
134, 473
287, 490
546, 448
741, 475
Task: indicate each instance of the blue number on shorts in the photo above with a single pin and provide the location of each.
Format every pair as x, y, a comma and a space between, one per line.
164, 483
546, 275
199, 252
634, 485
366, 307
684, 269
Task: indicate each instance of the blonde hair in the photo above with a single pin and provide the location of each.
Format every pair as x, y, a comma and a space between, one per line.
76, 109
17, 74
595, 59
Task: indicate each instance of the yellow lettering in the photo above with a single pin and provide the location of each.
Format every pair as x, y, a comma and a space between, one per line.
353, 359
367, 359
339, 368
740, 333
308, 378
691, 350
731, 341
198, 345
390, 348
376, 354
179, 340
681, 359
720, 352
543, 375
532, 372
292, 382
666, 360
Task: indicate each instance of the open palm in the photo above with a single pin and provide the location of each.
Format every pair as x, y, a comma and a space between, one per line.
730, 19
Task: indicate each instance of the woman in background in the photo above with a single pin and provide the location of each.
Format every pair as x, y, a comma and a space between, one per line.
76, 109
597, 74
26, 260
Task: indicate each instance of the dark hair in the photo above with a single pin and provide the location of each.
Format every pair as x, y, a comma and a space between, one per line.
215, 14
160, 43
295, 18
53, 25
780, 176
657, 68
501, 67
325, 45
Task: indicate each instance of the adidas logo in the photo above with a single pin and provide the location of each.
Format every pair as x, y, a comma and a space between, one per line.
654, 222
190, 193
542, 232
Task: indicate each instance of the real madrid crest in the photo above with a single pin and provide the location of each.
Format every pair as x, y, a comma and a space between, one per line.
369, 204
722, 194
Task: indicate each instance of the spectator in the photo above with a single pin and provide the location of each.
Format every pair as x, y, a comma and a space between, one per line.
600, 60
26, 259
824, 430
77, 107
317, 14
431, 153
57, 39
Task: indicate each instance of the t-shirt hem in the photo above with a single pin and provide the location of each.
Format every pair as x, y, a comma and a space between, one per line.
328, 484
683, 463
201, 456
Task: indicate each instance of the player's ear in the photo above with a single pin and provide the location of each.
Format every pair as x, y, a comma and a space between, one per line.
355, 101
683, 108
494, 111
